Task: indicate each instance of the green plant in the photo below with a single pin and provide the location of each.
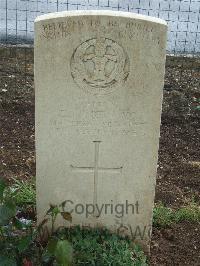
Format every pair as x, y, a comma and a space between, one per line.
19, 241
26, 244
100, 247
191, 213
23, 192
12, 244
58, 250
90, 246
162, 216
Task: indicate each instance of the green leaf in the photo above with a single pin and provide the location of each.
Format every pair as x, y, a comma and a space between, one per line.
51, 246
2, 188
7, 211
55, 211
50, 210
24, 243
11, 205
6, 261
63, 253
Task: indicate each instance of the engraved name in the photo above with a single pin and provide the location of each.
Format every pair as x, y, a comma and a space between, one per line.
135, 29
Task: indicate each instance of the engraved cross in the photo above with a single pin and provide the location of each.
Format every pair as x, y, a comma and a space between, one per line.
96, 169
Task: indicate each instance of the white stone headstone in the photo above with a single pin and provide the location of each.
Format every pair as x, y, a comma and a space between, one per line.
99, 79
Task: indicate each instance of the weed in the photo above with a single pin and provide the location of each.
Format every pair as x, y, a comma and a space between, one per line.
189, 213
164, 217
23, 192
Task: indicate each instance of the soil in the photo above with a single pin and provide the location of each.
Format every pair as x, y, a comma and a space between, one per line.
178, 175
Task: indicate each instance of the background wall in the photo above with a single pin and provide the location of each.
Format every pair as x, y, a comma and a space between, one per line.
183, 17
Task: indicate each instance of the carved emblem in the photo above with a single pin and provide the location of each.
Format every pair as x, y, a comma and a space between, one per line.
99, 64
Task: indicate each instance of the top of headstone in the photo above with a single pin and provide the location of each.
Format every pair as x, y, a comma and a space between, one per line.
100, 13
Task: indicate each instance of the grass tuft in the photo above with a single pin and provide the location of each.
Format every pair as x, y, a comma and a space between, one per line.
189, 213
23, 192
164, 217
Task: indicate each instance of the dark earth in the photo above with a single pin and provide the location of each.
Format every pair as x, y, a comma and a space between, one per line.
178, 178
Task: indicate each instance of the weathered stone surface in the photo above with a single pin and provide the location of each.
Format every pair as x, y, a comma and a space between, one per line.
99, 79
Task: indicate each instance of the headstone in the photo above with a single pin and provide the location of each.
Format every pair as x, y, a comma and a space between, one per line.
99, 78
